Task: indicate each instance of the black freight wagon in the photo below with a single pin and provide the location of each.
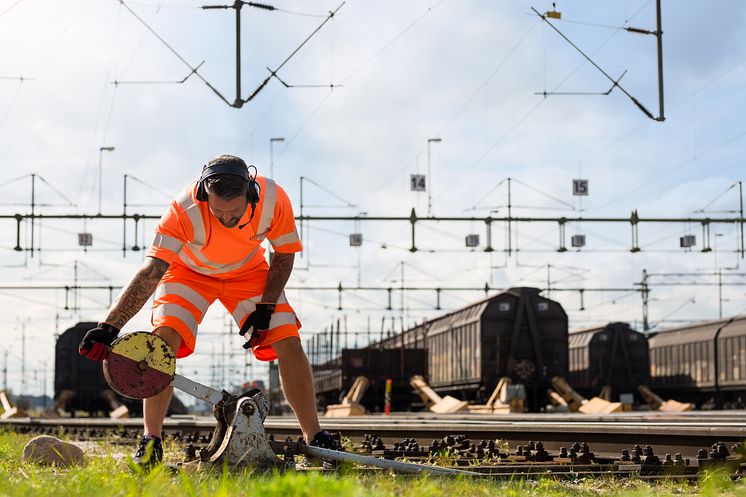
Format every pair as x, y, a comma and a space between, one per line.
83, 377
615, 355
517, 333
334, 378
703, 363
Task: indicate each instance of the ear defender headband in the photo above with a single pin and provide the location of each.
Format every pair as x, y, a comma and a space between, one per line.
253, 192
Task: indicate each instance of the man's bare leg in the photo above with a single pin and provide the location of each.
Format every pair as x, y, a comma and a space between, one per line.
154, 409
297, 384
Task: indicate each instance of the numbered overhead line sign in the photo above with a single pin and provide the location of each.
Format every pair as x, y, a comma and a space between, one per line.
580, 187
356, 239
417, 182
85, 239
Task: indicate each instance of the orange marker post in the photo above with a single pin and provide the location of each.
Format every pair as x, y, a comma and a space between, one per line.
387, 406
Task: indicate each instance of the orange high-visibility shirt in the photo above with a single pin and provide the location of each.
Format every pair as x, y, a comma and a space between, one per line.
188, 234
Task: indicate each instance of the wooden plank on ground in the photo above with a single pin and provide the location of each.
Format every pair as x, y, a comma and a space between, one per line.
597, 405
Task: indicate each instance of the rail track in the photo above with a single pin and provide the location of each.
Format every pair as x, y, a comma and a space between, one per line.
648, 444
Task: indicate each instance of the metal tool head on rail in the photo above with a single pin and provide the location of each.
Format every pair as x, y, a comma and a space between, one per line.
141, 365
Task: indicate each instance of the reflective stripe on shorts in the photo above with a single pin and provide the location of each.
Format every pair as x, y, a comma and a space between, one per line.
183, 291
246, 307
282, 318
176, 311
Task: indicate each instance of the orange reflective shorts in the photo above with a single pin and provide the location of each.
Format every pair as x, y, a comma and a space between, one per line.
183, 296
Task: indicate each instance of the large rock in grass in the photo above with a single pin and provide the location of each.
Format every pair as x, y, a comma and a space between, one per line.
50, 450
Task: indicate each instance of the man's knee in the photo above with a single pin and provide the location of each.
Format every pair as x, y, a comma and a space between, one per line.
288, 347
170, 335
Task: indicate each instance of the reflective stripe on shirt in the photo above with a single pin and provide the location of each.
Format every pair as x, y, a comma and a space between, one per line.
167, 242
191, 207
268, 209
285, 239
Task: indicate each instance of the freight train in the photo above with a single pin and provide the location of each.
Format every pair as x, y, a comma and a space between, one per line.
517, 334
522, 335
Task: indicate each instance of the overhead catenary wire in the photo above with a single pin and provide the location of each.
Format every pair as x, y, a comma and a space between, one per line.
173, 51
163, 5
365, 240
139, 45
160, 82
534, 189
194, 70
678, 103
15, 179
468, 101
6, 113
59, 38
613, 81
57, 191
690, 300
101, 117
679, 165
273, 72
330, 192
489, 149
270, 106
717, 197
634, 220
151, 187
8, 9
640, 126
305, 122
562, 82
388, 44
351, 74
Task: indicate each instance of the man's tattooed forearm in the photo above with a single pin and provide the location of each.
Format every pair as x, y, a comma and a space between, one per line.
139, 290
279, 272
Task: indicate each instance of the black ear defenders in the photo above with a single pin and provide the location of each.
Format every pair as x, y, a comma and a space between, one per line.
254, 191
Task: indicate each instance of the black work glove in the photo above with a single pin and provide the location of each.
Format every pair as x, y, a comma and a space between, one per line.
258, 323
96, 342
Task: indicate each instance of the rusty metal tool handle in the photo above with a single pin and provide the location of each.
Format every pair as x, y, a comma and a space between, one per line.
197, 390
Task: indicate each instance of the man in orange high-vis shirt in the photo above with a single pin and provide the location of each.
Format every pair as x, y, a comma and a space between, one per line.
207, 247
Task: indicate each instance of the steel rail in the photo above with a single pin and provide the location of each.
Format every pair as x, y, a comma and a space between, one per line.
686, 434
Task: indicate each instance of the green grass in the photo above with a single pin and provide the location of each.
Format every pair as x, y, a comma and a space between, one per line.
106, 473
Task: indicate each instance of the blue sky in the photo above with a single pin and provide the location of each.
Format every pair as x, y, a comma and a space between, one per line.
466, 72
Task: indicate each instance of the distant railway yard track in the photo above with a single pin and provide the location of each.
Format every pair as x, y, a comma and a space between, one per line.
651, 445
